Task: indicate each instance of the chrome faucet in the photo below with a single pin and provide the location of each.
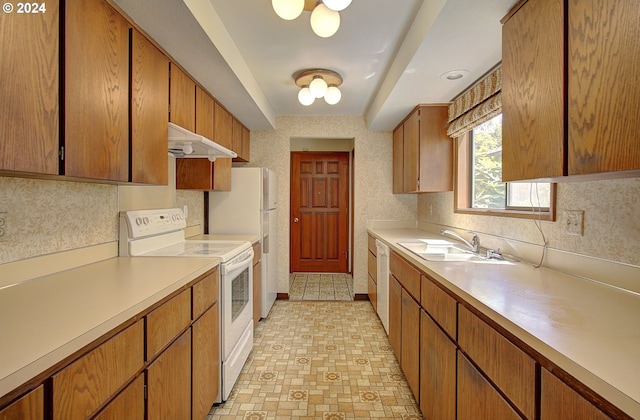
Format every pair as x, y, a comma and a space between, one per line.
475, 241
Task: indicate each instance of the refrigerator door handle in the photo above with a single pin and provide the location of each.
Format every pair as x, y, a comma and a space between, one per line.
265, 230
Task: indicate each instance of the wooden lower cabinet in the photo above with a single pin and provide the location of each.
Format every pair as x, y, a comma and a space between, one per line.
205, 370
81, 388
28, 407
437, 372
508, 367
477, 399
559, 401
165, 322
372, 291
169, 382
410, 347
395, 317
129, 404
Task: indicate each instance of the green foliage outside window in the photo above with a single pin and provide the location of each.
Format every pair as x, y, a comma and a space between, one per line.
488, 190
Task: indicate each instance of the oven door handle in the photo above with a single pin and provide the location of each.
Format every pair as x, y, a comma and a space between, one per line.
240, 264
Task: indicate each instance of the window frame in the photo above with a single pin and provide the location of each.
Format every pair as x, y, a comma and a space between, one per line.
462, 189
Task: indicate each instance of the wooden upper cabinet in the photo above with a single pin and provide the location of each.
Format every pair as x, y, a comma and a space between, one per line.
588, 124
603, 91
223, 127
29, 86
422, 152
149, 104
204, 113
240, 141
398, 160
96, 140
246, 144
532, 92
182, 99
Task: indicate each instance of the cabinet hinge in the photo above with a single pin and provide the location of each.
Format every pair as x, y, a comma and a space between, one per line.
169, 108
145, 391
61, 153
418, 183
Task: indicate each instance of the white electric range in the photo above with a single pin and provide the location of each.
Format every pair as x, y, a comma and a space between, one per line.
160, 233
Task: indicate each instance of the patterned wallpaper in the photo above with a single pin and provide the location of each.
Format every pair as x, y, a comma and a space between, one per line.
373, 198
46, 216
611, 219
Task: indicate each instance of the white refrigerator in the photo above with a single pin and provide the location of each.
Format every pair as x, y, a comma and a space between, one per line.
250, 208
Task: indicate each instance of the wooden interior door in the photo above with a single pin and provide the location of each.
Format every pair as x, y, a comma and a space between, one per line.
319, 211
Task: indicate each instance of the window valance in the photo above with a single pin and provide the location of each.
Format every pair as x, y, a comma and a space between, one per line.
478, 104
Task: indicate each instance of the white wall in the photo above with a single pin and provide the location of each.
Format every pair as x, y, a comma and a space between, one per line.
373, 197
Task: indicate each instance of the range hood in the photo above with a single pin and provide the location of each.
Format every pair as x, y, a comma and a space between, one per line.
186, 144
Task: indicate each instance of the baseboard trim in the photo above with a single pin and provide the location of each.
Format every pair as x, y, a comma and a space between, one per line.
282, 296
361, 296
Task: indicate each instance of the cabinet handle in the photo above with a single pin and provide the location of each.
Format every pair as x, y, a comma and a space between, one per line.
296, 220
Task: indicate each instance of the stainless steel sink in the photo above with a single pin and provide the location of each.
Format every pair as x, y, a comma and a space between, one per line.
439, 250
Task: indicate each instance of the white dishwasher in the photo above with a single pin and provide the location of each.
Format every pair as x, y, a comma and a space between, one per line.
382, 272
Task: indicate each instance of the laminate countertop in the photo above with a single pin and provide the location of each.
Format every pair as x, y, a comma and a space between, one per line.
45, 320
589, 329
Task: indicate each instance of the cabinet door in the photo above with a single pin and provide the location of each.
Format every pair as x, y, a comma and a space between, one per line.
223, 127
236, 141
204, 113
205, 362
532, 92
410, 360
83, 386
129, 404
182, 99
29, 407
149, 104
96, 140
204, 294
411, 152
169, 382
603, 91
246, 144
437, 372
436, 150
477, 399
398, 160
559, 401
222, 174
29, 86
372, 292
395, 316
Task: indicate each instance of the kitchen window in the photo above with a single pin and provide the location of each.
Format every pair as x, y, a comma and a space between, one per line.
479, 188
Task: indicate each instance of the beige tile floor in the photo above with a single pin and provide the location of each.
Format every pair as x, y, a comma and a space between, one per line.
320, 286
320, 360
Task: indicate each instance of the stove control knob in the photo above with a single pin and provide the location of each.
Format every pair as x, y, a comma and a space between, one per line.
145, 220
138, 221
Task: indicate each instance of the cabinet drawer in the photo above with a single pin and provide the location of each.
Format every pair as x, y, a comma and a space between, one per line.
90, 381
166, 322
406, 274
512, 370
439, 305
29, 407
205, 293
129, 404
372, 266
477, 399
371, 242
559, 401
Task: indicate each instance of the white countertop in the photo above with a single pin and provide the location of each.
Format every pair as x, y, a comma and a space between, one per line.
589, 329
45, 320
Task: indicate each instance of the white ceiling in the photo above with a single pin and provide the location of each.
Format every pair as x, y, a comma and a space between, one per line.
390, 53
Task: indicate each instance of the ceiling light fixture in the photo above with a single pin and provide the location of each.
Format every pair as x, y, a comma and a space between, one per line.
454, 74
325, 19
318, 83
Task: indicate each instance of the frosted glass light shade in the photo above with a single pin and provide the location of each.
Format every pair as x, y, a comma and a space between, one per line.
333, 95
337, 5
305, 97
324, 21
318, 87
288, 9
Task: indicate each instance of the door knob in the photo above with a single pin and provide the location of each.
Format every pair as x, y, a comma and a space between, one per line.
296, 220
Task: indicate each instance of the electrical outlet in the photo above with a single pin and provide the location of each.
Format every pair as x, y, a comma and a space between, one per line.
574, 222
3, 225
